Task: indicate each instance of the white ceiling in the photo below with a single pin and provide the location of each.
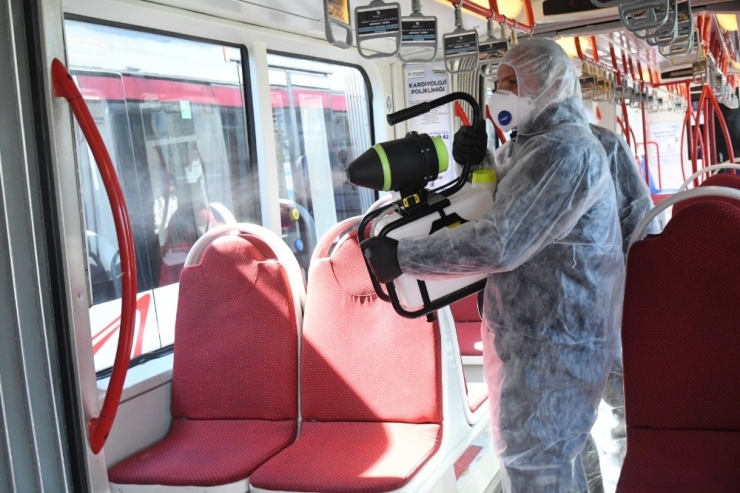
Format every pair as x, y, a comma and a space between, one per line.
307, 16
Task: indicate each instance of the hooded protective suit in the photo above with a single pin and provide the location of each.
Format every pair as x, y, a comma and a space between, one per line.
552, 248
633, 196
633, 203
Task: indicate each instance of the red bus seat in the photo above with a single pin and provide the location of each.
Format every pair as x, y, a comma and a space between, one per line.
468, 325
680, 339
235, 374
719, 180
370, 384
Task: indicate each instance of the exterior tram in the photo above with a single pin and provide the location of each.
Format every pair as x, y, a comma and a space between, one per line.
184, 307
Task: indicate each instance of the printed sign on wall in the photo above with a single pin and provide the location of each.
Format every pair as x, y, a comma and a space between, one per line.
424, 83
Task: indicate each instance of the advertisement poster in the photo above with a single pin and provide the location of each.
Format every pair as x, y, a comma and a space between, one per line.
424, 83
339, 10
667, 139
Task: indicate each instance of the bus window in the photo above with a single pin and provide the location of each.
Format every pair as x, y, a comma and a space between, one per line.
321, 113
172, 113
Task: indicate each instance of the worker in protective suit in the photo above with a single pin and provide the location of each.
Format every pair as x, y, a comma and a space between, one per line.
551, 247
633, 203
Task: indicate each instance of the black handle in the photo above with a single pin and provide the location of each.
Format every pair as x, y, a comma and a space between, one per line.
421, 108
408, 113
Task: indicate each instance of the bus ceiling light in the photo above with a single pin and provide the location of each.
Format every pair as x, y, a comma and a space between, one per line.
568, 43
508, 8
728, 22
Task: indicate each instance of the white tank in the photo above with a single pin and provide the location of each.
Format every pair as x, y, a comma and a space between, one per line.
469, 204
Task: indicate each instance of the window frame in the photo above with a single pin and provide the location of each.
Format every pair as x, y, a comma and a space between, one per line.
363, 73
249, 122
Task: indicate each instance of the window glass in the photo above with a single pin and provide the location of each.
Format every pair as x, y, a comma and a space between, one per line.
172, 114
321, 113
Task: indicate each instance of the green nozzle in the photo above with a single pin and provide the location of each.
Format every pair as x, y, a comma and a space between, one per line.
406, 164
386, 167
442, 155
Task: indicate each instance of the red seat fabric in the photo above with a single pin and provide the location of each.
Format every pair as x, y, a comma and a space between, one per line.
370, 386
667, 461
343, 456
354, 345
719, 180
235, 373
467, 324
236, 339
205, 453
680, 338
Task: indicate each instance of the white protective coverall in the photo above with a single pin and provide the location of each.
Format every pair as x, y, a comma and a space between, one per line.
551, 247
633, 203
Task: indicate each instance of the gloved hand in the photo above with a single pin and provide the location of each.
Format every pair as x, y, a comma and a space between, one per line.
470, 143
382, 257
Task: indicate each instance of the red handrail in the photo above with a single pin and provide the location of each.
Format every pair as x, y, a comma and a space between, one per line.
460, 113
624, 105
65, 87
644, 121
499, 133
707, 98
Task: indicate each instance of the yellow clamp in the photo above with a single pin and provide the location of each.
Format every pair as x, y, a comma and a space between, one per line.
417, 200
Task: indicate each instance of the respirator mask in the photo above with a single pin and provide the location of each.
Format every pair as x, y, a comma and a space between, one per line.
509, 110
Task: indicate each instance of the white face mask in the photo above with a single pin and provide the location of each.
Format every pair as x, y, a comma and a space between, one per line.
509, 110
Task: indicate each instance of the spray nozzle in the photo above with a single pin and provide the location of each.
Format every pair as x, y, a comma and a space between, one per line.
406, 165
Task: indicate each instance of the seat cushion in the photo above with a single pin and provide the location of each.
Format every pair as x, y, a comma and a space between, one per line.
350, 457
678, 461
205, 453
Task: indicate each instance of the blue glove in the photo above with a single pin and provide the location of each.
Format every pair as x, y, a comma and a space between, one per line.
470, 143
382, 257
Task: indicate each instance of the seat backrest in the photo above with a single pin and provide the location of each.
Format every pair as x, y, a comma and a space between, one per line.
467, 324
466, 310
360, 361
680, 327
236, 335
719, 180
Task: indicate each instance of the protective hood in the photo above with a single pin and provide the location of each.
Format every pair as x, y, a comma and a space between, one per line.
546, 76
